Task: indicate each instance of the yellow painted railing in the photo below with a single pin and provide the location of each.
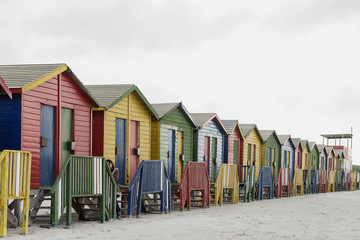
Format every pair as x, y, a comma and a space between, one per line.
15, 184
227, 179
298, 181
331, 181
353, 181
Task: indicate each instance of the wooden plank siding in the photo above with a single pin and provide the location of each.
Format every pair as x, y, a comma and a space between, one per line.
131, 108
253, 139
273, 143
71, 97
229, 146
213, 130
314, 155
175, 120
305, 157
288, 146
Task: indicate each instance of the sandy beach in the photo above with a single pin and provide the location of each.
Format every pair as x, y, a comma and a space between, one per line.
322, 216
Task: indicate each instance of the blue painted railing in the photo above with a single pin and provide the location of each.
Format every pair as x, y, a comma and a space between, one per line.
315, 181
265, 179
151, 177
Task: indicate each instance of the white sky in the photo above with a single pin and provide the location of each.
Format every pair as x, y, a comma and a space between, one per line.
287, 65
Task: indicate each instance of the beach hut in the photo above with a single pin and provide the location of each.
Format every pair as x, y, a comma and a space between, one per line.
330, 166
122, 127
298, 153
322, 168
340, 156
287, 154
305, 154
271, 151
49, 115
314, 166
172, 137
252, 147
209, 141
233, 144
313, 156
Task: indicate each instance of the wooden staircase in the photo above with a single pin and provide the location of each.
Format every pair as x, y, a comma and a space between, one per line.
40, 206
123, 202
212, 194
175, 195
88, 208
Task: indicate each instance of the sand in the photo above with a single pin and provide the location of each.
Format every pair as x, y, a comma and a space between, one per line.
322, 216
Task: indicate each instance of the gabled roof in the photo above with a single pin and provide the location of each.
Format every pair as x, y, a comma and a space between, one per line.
339, 152
247, 128
109, 95
304, 143
29, 76
284, 138
4, 89
163, 109
202, 119
320, 147
313, 145
296, 142
265, 134
230, 126
329, 149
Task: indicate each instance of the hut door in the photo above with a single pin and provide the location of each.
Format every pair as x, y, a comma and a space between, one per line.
171, 154
180, 155
120, 134
66, 133
47, 151
213, 159
236, 152
134, 148
207, 152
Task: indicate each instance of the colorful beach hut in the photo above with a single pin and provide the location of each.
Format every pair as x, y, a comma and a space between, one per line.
287, 154
314, 156
252, 147
122, 127
330, 166
340, 156
233, 142
298, 153
271, 151
172, 137
209, 141
322, 168
305, 154
49, 115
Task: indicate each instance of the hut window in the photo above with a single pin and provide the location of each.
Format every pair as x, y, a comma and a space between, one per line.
249, 154
254, 155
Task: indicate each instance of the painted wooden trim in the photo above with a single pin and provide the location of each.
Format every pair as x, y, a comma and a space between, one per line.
127, 93
5, 87
44, 78
99, 109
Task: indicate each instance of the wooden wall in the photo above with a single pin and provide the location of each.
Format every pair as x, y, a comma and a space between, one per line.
289, 147
213, 130
129, 108
73, 98
254, 139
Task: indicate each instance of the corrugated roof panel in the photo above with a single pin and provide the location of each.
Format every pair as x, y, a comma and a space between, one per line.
201, 118
109, 93
229, 125
17, 76
164, 108
265, 134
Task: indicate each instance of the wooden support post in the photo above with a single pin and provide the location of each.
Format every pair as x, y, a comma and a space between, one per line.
69, 194
4, 197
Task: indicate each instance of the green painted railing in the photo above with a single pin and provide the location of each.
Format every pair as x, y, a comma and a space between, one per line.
83, 176
308, 178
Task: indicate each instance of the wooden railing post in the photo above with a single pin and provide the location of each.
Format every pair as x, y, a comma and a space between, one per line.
69, 193
4, 197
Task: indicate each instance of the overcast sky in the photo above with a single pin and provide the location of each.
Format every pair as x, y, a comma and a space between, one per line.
292, 66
